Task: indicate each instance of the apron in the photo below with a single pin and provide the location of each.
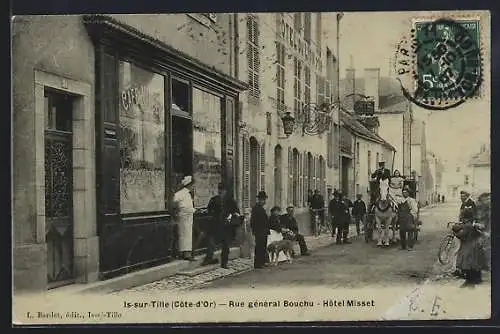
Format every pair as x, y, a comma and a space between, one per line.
185, 228
406, 222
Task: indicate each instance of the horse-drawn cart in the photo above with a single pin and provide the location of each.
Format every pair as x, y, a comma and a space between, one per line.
370, 221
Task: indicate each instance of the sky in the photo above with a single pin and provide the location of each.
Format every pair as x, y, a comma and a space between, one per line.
369, 40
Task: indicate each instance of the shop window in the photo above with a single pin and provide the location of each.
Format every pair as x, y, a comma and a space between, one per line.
182, 132
207, 143
142, 139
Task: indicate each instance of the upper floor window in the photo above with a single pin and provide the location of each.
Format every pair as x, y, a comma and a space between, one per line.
280, 77
253, 56
297, 86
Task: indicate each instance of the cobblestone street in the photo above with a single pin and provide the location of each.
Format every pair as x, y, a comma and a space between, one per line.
354, 265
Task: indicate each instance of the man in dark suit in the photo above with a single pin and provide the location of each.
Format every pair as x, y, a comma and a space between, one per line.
259, 222
339, 210
288, 221
318, 203
359, 212
223, 211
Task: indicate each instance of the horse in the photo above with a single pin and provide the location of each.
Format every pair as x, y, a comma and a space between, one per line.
385, 218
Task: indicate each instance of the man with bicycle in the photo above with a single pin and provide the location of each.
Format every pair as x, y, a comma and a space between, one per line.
318, 205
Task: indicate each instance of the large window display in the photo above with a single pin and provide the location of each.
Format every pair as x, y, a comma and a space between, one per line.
142, 140
207, 144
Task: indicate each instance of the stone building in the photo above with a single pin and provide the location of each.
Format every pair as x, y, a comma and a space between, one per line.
109, 111
480, 164
288, 60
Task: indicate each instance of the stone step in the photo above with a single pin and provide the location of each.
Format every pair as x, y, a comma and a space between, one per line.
198, 270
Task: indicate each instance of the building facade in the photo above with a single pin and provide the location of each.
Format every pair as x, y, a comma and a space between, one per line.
480, 165
288, 61
109, 112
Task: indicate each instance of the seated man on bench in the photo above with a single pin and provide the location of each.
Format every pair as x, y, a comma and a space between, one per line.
289, 222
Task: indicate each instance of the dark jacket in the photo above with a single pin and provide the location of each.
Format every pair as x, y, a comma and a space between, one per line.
290, 223
381, 174
468, 211
219, 208
470, 255
317, 202
359, 208
259, 221
339, 210
275, 223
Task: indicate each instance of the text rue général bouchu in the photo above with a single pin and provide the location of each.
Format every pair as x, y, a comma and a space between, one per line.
271, 303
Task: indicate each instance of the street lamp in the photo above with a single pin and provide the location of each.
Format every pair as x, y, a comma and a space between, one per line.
288, 123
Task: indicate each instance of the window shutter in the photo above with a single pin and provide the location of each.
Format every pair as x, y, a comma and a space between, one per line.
306, 177
315, 159
324, 179
290, 175
301, 177
262, 166
246, 172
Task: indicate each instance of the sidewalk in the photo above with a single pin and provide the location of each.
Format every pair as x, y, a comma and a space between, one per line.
187, 280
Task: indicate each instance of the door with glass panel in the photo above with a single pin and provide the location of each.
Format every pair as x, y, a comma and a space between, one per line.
58, 188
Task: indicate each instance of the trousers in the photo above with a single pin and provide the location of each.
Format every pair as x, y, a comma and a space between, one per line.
260, 250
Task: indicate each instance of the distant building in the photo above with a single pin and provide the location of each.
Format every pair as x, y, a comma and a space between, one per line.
480, 164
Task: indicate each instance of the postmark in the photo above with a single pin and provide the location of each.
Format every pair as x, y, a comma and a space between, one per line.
439, 65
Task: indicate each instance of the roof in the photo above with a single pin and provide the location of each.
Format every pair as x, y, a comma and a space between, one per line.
351, 123
481, 159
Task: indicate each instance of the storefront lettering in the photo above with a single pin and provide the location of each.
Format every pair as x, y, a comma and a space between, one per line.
140, 97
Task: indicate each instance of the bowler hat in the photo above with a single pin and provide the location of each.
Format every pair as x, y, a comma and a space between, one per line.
262, 194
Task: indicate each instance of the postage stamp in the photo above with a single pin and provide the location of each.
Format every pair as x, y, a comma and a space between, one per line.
443, 60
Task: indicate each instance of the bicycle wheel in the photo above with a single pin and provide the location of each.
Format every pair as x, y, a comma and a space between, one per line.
445, 249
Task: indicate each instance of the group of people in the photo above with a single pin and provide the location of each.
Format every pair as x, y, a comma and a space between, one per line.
225, 217
472, 230
276, 226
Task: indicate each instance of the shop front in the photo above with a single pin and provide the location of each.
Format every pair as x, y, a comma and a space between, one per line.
160, 115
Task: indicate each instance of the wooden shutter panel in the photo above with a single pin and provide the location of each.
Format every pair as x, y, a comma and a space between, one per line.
315, 172
262, 166
329, 150
290, 175
246, 172
306, 178
301, 178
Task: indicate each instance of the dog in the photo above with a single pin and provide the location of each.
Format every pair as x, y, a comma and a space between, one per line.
285, 246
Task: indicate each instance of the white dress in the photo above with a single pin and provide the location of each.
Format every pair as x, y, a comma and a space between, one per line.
185, 219
276, 236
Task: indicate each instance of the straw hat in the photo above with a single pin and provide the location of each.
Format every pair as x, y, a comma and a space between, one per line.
187, 180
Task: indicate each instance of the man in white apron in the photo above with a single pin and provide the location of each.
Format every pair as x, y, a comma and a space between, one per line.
185, 210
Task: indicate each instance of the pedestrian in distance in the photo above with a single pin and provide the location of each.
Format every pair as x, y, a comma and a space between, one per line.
318, 203
259, 223
289, 222
359, 212
225, 217
183, 213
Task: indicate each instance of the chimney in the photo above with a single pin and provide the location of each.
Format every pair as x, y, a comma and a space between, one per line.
372, 80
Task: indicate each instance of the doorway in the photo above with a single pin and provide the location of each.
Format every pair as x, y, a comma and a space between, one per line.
59, 187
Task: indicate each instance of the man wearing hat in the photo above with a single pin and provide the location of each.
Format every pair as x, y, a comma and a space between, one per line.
183, 202
359, 212
259, 223
382, 175
288, 221
407, 217
223, 211
468, 207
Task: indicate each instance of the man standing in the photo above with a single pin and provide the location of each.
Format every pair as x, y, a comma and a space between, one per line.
407, 216
345, 219
184, 210
333, 212
468, 208
359, 212
259, 222
223, 211
318, 204
288, 221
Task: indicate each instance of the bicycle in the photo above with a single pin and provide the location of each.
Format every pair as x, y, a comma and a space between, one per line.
448, 243
317, 225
